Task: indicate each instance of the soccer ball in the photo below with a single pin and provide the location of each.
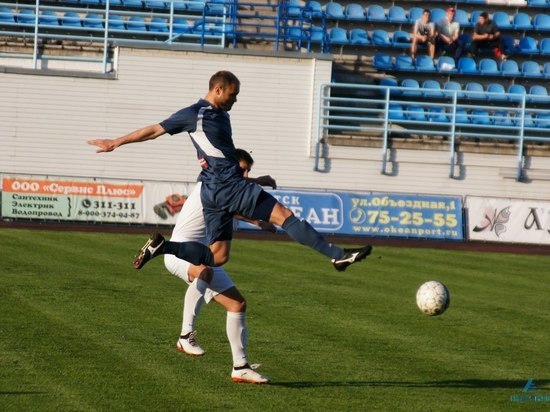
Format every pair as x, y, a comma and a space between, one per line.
433, 298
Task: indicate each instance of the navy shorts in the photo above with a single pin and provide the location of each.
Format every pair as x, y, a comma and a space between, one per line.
222, 201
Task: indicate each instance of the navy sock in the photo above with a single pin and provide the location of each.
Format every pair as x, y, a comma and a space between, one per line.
193, 252
302, 232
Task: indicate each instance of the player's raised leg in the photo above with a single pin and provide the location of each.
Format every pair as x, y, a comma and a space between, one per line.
268, 208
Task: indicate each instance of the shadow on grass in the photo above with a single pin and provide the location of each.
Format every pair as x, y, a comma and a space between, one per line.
468, 383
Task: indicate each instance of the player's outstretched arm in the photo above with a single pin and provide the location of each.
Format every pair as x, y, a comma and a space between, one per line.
145, 133
264, 181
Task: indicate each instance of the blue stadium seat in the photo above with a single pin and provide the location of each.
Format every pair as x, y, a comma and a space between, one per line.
382, 61
214, 8
546, 70
158, 25
528, 45
196, 5
452, 85
542, 120
431, 88
496, 92
116, 22
530, 68
338, 35
71, 19
502, 20
502, 118
48, 18
509, 68
376, 12
294, 8
396, 14
390, 83
395, 112
113, 2
359, 37
181, 26
522, 21
437, 115
137, 4
92, 21
354, 11
437, 14
26, 16
415, 113
516, 92
414, 88
527, 120
414, 14
91, 2
538, 94
313, 10
462, 18
295, 33
509, 44
334, 11
481, 117
424, 63
136, 23
401, 38
474, 90
446, 64
541, 22
544, 46
488, 67
6, 15
317, 34
462, 116
537, 3
404, 62
467, 65
380, 38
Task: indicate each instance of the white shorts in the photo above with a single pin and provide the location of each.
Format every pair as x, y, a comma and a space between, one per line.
190, 227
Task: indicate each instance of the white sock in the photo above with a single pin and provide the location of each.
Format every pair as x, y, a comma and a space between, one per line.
192, 304
237, 335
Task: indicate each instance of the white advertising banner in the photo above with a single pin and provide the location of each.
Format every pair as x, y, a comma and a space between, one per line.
508, 220
91, 200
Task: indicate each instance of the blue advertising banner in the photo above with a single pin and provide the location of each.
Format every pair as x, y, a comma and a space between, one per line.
377, 214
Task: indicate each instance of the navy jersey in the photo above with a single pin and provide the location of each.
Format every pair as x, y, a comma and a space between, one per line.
210, 131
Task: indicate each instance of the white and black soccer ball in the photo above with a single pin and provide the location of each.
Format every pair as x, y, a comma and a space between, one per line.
433, 298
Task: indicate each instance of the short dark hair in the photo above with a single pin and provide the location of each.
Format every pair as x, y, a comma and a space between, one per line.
426, 11
223, 78
241, 154
485, 15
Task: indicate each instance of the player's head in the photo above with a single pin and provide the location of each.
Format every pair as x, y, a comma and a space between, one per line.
245, 161
223, 89
450, 12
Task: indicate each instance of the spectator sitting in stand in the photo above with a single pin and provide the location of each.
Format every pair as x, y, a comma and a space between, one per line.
423, 32
487, 36
448, 34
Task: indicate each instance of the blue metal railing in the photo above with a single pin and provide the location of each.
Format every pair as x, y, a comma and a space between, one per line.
206, 25
386, 112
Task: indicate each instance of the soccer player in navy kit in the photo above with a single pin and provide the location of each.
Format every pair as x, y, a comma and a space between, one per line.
225, 192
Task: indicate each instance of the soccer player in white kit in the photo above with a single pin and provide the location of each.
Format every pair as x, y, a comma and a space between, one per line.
213, 283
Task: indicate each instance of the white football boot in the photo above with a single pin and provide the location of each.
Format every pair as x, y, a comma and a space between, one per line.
187, 344
247, 374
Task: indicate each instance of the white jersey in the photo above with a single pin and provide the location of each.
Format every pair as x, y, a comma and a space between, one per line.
190, 226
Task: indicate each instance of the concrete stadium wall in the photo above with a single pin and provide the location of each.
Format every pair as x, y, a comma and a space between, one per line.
45, 122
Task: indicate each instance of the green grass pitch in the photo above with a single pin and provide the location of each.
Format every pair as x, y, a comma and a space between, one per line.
81, 330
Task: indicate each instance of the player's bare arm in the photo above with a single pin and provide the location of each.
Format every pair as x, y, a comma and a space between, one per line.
141, 135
